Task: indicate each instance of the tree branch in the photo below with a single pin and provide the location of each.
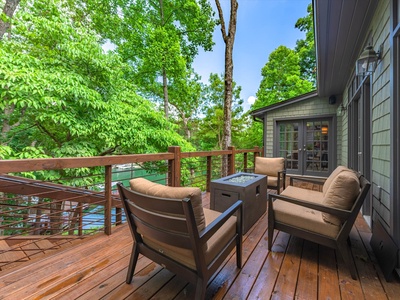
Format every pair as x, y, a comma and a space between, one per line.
49, 134
221, 19
108, 151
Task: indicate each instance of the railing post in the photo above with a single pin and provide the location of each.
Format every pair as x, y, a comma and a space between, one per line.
256, 151
209, 172
107, 197
256, 154
231, 160
174, 166
80, 219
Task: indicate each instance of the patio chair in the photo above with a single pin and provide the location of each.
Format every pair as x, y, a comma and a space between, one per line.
274, 168
324, 217
170, 226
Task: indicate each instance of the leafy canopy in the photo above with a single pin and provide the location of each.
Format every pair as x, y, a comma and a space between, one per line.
62, 95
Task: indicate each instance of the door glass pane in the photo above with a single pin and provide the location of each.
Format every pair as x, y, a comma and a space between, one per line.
288, 144
317, 146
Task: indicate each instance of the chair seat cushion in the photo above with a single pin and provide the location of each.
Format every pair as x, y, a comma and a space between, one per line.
303, 217
214, 245
147, 187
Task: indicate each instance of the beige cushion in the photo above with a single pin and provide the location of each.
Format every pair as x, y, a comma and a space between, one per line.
333, 175
304, 218
342, 193
214, 245
302, 194
269, 165
272, 181
147, 187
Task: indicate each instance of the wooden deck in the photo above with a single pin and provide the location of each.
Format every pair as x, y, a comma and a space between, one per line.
296, 269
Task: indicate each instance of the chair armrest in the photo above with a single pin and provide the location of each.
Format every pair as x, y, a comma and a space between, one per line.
319, 181
281, 174
340, 213
213, 227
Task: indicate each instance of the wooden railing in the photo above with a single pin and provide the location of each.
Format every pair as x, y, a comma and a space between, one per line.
60, 199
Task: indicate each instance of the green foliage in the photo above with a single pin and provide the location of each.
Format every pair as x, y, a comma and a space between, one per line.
62, 95
159, 40
306, 48
210, 133
281, 78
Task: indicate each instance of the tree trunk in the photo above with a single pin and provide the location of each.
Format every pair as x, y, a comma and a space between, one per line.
8, 9
165, 90
164, 73
229, 39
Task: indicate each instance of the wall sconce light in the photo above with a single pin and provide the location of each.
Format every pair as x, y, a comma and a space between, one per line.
368, 60
342, 109
324, 129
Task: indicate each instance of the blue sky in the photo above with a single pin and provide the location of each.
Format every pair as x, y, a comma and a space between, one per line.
262, 26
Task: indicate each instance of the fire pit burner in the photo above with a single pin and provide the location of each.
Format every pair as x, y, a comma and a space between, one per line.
241, 178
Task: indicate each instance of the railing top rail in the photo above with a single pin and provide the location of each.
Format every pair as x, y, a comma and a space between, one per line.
26, 165
36, 164
205, 153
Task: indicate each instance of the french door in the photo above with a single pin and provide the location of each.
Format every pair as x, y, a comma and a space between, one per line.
307, 146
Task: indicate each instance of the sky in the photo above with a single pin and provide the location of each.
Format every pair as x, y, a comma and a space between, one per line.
262, 26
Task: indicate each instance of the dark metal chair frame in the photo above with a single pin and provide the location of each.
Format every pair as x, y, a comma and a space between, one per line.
172, 221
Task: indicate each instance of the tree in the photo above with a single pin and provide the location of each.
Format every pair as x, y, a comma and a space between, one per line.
211, 128
160, 39
62, 95
229, 39
281, 78
306, 48
188, 91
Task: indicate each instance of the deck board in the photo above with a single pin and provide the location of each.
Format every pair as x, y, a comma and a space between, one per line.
96, 269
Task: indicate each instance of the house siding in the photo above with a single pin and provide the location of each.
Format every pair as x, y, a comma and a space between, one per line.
380, 117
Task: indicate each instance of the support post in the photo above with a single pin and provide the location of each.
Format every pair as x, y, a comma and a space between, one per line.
209, 172
245, 161
174, 167
107, 196
231, 160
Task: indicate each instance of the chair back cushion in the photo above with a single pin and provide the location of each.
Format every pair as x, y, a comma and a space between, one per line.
342, 193
147, 187
331, 177
269, 165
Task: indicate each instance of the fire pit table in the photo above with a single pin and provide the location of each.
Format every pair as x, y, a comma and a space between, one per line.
248, 187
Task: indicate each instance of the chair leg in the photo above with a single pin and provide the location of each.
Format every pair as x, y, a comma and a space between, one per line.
271, 221
270, 236
239, 252
201, 288
345, 251
132, 263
